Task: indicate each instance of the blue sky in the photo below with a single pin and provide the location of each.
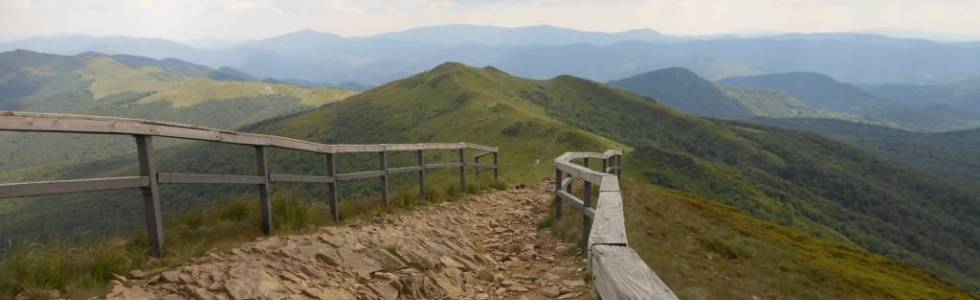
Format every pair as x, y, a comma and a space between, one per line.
249, 19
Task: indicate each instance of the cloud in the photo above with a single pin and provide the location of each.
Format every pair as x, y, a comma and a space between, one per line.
245, 19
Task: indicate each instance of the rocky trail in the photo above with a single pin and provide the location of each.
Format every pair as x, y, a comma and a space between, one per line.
484, 247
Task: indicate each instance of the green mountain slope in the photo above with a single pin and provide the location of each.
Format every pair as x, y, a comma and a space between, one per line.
835, 197
129, 86
951, 156
798, 180
816, 90
682, 89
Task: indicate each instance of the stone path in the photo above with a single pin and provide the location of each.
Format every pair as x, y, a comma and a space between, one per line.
485, 247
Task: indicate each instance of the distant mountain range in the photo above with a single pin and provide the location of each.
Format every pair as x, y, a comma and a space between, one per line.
132, 86
682, 89
544, 51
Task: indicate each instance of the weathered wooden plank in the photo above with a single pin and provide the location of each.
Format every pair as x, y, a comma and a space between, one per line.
619, 273
27, 121
441, 165
481, 147
383, 163
462, 169
496, 165
579, 171
400, 170
571, 199
359, 175
265, 189
420, 161
609, 183
152, 213
586, 219
565, 182
300, 178
482, 154
25, 189
608, 227
195, 178
332, 195
558, 187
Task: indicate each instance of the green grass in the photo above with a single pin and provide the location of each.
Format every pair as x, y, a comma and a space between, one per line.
82, 270
706, 250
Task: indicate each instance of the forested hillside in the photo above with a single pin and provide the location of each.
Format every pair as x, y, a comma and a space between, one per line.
685, 91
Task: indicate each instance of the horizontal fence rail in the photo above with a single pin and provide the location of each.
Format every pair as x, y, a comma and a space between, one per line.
149, 179
617, 271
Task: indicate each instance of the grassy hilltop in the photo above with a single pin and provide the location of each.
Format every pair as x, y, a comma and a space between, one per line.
812, 184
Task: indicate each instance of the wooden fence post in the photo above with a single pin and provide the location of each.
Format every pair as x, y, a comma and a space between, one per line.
558, 179
619, 166
605, 165
496, 165
151, 194
476, 168
421, 163
383, 157
585, 162
462, 170
586, 221
332, 186
265, 189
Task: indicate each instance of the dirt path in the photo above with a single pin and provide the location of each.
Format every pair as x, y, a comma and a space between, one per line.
485, 247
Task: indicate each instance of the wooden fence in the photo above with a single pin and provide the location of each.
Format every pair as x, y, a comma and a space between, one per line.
149, 179
617, 271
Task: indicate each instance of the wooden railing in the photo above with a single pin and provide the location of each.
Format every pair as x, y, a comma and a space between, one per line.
149, 179
617, 271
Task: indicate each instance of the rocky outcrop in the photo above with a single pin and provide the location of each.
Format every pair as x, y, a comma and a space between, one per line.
486, 247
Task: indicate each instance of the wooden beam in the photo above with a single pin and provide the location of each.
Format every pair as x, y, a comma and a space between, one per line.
619, 273
496, 166
48, 122
586, 219
359, 175
558, 187
481, 147
609, 226
482, 154
476, 167
442, 165
332, 195
579, 171
195, 178
462, 170
300, 178
26, 189
152, 213
571, 199
420, 160
383, 160
265, 189
400, 170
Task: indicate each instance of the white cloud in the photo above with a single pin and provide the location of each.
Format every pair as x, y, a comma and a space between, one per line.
243, 19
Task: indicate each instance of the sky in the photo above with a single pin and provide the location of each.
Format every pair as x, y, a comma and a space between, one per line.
231, 20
